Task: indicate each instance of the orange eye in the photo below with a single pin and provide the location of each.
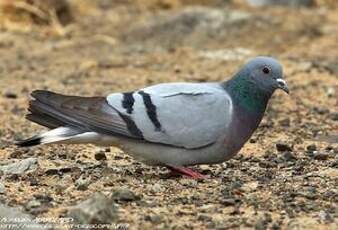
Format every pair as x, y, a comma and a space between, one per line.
266, 70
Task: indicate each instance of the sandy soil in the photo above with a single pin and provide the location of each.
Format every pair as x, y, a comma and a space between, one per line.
122, 46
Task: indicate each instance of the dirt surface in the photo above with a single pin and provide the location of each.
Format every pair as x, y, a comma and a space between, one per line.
121, 46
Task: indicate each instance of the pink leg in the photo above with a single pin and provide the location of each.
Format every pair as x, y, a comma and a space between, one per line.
186, 172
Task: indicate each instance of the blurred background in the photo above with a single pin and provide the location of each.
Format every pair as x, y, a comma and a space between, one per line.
282, 179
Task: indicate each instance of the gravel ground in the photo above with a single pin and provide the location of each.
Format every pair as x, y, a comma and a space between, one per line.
281, 179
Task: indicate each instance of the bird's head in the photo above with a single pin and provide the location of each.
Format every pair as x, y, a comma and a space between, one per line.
266, 73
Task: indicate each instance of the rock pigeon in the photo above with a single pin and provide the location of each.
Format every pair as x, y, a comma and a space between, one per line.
171, 124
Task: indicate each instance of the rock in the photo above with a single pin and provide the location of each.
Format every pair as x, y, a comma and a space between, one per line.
291, 3
16, 219
10, 94
289, 156
82, 183
156, 188
20, 167
285, 122
260, 224
100, 156
228, 202
98, 209
40, 204
204, 218
33, 181
52, 171
331, 67
43, 198
283, 147
311, 193
321, 110
156, 219
330, 91
2, 188
275, 226
325, 217
32, 204
311, 148
321, 156
124, 195
334, 116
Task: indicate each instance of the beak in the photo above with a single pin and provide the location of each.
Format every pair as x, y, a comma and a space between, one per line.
282, 85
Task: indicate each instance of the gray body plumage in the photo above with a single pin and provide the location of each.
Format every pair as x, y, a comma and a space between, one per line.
172, 124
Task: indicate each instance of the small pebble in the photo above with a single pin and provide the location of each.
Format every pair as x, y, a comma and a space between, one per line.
334, 116
156, 219
285, 122
124, 195
330, 92
289, 156
320, 110
2, 189
324, 216
204, 217
228, 202
282, 147
100, 156
32, 204
43, 198
311, 148
156, 188
10, 94
82, 183
97, 209
321, 156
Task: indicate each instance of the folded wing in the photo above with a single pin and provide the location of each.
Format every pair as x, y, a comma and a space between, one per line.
178, 114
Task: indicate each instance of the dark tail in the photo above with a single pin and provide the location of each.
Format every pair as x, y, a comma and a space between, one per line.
60, 134
66, 116
39, 110
35, 140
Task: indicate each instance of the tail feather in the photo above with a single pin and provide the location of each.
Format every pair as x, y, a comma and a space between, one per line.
39, 111
44, 120
55, 135
71, 119
35, 140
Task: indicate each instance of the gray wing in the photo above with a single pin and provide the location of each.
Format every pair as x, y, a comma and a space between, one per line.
188, 115
85, 113
179, 114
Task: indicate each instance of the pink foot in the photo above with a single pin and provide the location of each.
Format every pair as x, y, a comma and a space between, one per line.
186, 172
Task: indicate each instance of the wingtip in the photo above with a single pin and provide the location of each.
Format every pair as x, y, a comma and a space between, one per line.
37, 92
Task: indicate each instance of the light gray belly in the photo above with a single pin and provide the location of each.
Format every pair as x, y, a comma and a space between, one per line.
158, 154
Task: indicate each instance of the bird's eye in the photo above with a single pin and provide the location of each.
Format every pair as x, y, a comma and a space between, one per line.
266, 70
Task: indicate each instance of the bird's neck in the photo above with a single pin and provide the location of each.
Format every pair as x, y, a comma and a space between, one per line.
249, 104
246, 95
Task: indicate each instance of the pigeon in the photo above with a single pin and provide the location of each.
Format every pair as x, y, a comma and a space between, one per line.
175, 125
